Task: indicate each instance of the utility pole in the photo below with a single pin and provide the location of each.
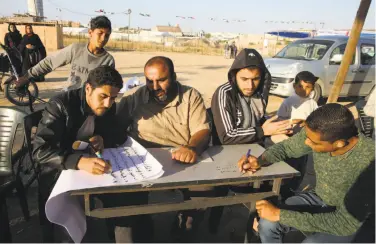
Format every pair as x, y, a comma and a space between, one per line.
129, 21
350, 50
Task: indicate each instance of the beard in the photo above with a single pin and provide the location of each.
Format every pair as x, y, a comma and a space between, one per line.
160, 98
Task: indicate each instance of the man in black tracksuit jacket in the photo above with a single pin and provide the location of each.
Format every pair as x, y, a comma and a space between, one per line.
239, 105
86, 114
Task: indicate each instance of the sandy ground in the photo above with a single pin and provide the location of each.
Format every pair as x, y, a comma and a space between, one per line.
205, 73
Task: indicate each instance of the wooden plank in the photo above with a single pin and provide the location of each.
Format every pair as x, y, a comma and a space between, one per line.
186, 205
350, 50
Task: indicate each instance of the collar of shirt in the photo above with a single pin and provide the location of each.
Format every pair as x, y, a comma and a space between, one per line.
355, 148
175, 102
85, 109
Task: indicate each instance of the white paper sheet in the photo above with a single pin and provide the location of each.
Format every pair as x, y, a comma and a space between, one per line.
130, 163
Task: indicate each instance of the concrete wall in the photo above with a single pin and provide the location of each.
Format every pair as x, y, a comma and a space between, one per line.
51, 36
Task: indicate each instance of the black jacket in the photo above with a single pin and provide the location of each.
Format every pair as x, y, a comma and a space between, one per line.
31, 56
12, 39
62, 118
227, 112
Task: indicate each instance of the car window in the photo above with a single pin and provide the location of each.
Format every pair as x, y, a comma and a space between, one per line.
367, 54
339, 50
305, 50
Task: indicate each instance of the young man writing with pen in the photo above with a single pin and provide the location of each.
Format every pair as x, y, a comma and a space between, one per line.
86, 114
165, 113
344, 195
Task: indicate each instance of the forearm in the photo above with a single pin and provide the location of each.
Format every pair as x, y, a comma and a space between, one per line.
338, 223
51, 63
200, 140
42, 68
293, 147
47, 156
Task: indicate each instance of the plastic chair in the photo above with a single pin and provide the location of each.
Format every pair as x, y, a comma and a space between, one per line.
31, 121
10, 120
366, 122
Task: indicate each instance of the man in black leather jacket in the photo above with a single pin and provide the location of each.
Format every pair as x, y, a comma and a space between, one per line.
86, 114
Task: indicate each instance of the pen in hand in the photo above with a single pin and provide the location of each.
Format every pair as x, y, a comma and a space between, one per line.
246, 159
99, 155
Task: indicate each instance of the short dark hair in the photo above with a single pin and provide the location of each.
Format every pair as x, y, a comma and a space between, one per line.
162, 60
333, 121
307, 77
105, 75
100, 22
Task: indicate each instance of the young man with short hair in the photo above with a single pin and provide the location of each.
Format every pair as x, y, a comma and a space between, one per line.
334, 211
83, 57
239, 105
85, 114
298, 106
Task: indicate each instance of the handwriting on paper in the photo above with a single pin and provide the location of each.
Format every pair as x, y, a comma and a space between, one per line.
130, 164
227, 169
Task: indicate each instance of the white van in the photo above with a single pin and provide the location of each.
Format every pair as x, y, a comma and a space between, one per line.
322, 56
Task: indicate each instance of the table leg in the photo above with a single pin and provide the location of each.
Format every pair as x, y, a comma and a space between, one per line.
251, 216
256, 184
277, 186
87, 204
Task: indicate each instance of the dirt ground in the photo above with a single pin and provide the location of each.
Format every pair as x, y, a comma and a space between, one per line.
205, 73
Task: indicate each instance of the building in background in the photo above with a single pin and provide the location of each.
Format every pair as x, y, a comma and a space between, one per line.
171, 30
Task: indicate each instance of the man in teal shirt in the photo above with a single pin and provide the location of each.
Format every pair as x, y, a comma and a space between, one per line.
342, 157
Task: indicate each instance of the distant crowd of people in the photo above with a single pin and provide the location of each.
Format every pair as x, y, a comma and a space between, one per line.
231, 50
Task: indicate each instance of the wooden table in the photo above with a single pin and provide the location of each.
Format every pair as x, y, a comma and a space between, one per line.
222, 171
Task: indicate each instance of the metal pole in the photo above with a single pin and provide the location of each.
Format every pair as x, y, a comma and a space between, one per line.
263, 45
129, 21
350, 50
275, 47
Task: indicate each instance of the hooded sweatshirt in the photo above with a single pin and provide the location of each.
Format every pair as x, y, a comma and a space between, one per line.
238, 119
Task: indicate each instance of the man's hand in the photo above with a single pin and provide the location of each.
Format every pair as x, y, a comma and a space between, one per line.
300, 122
184, 155
270, 127
267, 211
29, 46
21, 81
97, 143
248, 164
94, 166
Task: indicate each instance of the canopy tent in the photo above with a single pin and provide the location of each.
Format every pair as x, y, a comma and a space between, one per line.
368, 35
290, 34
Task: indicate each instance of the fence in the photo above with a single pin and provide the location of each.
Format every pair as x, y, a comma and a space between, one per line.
166, 44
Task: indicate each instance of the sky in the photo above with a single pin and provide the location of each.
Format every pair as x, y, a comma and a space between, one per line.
336, 14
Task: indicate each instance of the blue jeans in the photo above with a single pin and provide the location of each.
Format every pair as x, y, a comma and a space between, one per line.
272, 232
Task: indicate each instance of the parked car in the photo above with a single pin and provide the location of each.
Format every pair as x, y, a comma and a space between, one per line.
322, 56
